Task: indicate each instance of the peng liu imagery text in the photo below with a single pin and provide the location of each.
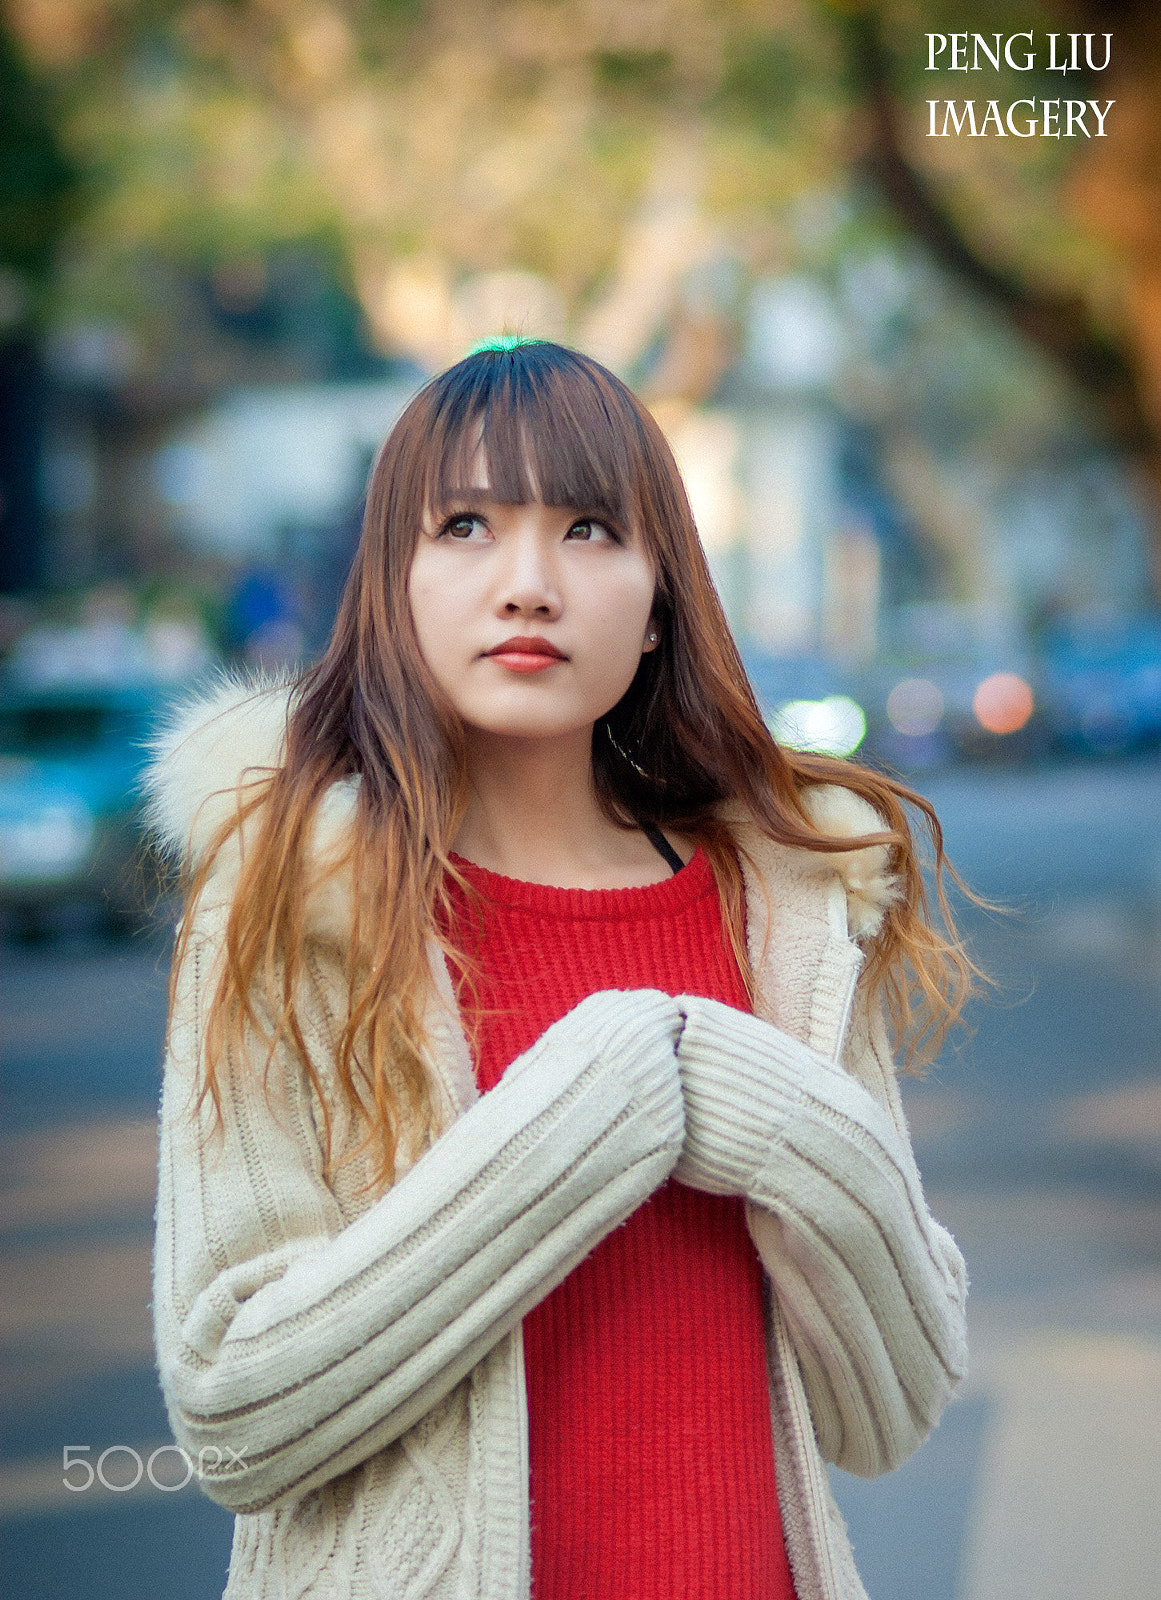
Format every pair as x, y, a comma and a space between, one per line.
1060, 117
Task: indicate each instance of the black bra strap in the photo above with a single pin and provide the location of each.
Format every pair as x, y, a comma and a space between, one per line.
663, 848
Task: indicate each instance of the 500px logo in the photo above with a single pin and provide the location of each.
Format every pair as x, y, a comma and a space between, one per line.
168, 1468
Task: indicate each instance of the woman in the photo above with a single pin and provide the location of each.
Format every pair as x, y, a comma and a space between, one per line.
508, 924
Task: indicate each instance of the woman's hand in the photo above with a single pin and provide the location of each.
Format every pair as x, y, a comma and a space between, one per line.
733, 1101
868, 1284
747, 1086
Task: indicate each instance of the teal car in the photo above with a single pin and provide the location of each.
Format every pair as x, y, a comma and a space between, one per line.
70, 758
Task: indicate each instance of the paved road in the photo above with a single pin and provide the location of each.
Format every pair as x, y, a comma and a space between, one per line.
82, 1037
1041, 1146
1040, 1141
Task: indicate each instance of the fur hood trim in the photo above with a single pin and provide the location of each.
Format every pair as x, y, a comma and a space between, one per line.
210, 745
234, 733
215, 743
872, 887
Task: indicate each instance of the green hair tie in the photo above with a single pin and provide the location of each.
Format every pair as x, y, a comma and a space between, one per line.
502, 343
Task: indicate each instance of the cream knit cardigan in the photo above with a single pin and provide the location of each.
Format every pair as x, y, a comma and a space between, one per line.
347, 1371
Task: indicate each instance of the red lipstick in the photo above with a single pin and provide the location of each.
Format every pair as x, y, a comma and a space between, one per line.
526, 653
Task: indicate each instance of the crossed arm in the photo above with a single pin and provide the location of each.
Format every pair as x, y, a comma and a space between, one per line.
293, 1345
871, 1287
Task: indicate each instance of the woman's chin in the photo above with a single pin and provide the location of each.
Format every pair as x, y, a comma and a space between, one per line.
532, 728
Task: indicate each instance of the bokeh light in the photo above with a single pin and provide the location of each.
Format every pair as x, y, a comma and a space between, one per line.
1003, 703
915, 707
832, 727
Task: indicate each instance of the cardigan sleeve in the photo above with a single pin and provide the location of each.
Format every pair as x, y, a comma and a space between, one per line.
292, 1345
871, 1287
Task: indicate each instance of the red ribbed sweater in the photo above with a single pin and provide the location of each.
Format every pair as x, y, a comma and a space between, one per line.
651, 1459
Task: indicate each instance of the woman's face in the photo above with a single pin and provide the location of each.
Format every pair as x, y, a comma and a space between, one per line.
532, 618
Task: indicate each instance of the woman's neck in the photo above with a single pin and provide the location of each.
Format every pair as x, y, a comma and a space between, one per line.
533, 814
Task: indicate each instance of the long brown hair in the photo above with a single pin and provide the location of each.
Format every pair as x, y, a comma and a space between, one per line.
553, 425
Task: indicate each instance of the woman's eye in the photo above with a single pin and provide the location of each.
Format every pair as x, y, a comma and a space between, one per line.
589, 530
464, 528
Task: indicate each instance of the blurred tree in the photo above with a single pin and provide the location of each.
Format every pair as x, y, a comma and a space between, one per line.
38, 187
1115, 189
37, 181
613, 169
1099, 319
425, 144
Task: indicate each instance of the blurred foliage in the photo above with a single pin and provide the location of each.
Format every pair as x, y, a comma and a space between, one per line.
762, 76
413, 144
488, 133
644, 72
38, 184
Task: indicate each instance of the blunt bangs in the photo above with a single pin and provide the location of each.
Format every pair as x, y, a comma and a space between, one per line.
549, 425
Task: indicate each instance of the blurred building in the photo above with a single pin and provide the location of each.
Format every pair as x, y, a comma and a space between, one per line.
263, 468
877, 470
860, 491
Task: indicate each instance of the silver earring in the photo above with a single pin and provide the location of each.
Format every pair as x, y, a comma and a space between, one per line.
652, 638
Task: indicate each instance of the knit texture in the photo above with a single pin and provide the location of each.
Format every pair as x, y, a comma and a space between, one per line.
767, 1118
385, 1474
652, 1466
288, 1362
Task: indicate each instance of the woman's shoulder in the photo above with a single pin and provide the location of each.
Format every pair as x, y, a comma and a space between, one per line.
867, 876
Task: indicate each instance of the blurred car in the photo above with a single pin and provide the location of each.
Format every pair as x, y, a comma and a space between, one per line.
1102, 684
923, 715
70, 757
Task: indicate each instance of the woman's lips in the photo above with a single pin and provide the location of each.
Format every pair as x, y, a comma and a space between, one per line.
526, 653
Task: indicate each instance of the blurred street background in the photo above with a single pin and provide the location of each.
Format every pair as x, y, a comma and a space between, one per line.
914, 385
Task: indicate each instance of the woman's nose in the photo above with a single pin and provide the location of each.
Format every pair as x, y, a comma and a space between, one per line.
529, 585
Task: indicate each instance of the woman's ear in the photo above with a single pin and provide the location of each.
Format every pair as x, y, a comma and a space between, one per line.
652, 637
